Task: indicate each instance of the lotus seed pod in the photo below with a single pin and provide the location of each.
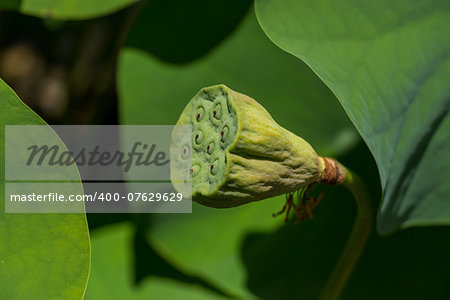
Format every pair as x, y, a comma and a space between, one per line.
239, 153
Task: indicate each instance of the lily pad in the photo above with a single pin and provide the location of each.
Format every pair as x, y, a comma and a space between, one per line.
42, 256
388, 64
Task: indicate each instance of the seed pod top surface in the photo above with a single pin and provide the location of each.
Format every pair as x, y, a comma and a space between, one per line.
239, 153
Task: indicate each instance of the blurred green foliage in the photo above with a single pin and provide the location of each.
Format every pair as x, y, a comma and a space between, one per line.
185, 30
112, 271
67, 9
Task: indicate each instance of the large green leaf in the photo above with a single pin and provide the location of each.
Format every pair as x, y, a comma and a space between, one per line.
42, 256
66, 9
388, 63
153, 92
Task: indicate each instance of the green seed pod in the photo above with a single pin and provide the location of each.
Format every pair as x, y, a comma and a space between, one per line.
239, 153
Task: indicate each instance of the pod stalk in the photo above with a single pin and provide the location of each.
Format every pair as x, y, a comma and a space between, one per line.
360, 231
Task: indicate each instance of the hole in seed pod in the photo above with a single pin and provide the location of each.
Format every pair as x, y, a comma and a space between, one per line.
210, 148
194, 170
224, 133
213, 167
198, 137
185, 152
217, 112
199, 114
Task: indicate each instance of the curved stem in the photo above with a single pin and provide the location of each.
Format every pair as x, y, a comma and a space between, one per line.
355, 243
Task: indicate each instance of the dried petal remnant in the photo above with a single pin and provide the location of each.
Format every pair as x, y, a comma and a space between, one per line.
332, 173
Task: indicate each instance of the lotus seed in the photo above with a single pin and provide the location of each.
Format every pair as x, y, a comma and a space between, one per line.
198, 137
185, 154
224, 133
200, 113
217, 112
194, 170
213, 167
210, 148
